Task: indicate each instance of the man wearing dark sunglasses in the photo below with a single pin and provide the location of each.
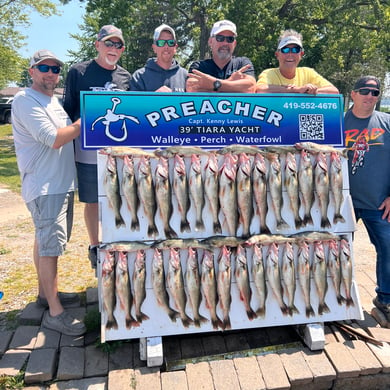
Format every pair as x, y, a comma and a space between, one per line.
100, 74
288, 77
43, 135
162, 73
223, 72
367, 138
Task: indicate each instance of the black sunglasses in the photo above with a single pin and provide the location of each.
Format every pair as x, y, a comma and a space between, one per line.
45, 68
117, 45
294, 49
223, 38
366, 91
162, 42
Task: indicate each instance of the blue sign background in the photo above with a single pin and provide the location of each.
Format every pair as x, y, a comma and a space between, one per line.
152, 120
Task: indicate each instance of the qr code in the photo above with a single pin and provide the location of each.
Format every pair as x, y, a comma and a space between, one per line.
311, 127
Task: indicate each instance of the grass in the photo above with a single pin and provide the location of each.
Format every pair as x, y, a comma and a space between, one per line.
9, 174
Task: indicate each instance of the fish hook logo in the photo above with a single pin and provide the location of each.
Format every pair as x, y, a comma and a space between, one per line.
112, 117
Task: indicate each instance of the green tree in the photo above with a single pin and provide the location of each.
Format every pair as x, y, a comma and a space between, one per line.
14, 14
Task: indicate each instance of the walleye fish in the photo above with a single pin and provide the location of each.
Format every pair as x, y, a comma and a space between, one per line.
181, 243
173, 151
108, 289
273, 275
163, 196
158, 281
211, 190
224, 284
321, 183
292, 187
275, 189
228, 192
306, 186
336, 185
319, 274
122, 151
303, 273
346, 270
313, 147
129, 188
334, 269
192, 277
111, 187
220, 241
258, 276
259, 178
244, 193
122, 286
288, 277
242, 279
238, 148
146, 194
209, 288
125, 246
180, 188
175, 285
139, 277
195, 183
266, 239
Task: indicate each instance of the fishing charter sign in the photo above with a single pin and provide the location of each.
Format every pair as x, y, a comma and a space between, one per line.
155, 120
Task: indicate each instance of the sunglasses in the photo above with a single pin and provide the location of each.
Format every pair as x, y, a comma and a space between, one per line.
45, 68
366, 91
294, 49
223, 38
162, 42
117, 45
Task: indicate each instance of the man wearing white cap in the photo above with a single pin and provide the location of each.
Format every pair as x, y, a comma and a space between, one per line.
43, 136
163, 73
223, 72
289, 77
100, 74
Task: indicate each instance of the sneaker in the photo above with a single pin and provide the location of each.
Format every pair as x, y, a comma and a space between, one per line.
92, 255
383, 307
64, 323
66, 299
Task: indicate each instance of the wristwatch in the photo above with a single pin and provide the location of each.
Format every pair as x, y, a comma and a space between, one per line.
217, 84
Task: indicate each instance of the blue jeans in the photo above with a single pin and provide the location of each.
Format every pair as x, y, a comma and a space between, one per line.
378, 230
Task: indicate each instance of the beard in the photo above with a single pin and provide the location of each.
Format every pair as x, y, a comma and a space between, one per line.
224, 53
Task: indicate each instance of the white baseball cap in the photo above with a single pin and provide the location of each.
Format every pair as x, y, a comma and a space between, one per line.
289, 41
160, 29
223, 25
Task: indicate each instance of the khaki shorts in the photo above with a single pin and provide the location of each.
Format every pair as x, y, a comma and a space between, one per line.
53, 219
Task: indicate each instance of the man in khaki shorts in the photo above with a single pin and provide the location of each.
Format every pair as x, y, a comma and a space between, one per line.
43, 135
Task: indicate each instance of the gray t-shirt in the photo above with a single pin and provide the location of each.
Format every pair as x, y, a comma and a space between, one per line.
368, 141
43, 170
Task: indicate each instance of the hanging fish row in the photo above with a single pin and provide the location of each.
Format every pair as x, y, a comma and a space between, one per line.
329, 256
234, 180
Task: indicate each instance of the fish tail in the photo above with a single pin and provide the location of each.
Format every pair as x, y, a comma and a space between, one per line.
323, 308
199, 320
325, 222
111, 323
284, 310
251, 314
199, 225
338, 218
308, 220
298, 222
264, 229
340, 299
170, 233
260, 312
350, 302
216, 322
293, 309
173, 315
185, 226
309, 311
119, 221
226, 323
282, 224
186, 321
131, 322
152, 230
135, 224
141, 317
217, 227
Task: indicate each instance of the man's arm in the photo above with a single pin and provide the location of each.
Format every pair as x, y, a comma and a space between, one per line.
67, 134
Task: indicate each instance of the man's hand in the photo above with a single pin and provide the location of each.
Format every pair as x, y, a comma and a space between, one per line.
239, 74
386, 207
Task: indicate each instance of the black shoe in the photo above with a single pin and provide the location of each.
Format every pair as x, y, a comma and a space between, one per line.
92, 256
66, 299
382, 307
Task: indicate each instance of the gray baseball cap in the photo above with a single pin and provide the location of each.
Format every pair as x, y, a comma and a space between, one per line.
42, 55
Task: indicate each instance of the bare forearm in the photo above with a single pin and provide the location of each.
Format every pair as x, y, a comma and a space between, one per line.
67, 134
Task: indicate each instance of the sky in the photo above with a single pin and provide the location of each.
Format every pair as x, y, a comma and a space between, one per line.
53, 33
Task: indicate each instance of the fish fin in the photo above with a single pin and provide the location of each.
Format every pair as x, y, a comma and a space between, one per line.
282, 224
264, 229
185, 226
173, 315
199, 226
298, 223
350, 302
217, 227
135, 224
111, 323
152, 230
200, 320
186, 321
293, 309
226, 323
307, 220
325, 222
338, 218
284, 310
251, 314
217, 323
119, 221
170, 233
131, 322
261, 312
309, 312
141, 317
